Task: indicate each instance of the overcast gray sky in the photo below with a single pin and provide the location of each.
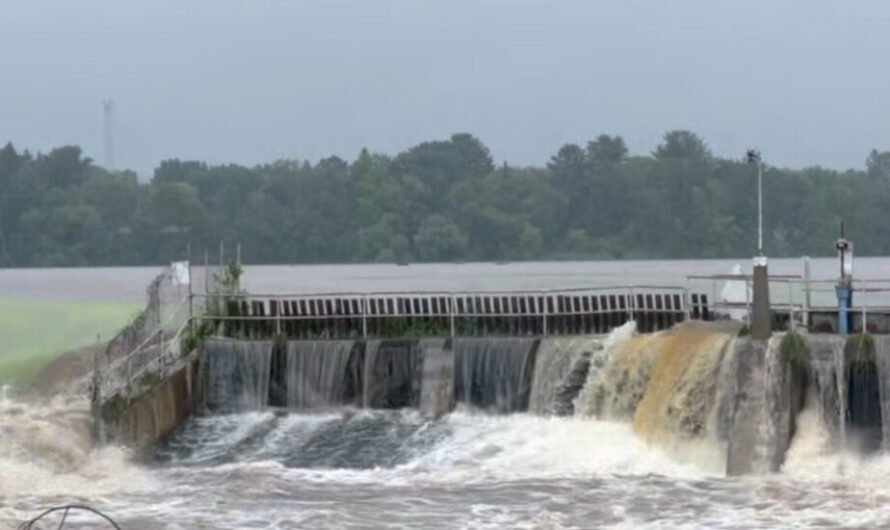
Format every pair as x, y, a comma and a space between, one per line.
252, 81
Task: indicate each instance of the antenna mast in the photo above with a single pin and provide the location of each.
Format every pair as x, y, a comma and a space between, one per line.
108, 118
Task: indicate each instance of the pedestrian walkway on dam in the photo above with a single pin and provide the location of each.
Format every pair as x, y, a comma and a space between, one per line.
370, 315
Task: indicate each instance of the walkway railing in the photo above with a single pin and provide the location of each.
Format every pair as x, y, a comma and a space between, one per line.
800, 298
364, 315
148, 362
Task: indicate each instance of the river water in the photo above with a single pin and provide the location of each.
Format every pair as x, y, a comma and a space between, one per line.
128, 283
352, 468
395, 469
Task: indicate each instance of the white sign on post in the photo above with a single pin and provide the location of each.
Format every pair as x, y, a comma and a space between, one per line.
180, 273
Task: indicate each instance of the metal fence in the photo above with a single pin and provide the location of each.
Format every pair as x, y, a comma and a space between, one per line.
151, 341
364, 315
797, 297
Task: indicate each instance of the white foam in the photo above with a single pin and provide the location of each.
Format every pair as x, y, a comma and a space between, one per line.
524, 446
46, 459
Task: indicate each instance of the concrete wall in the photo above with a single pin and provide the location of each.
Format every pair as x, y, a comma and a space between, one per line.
147, 419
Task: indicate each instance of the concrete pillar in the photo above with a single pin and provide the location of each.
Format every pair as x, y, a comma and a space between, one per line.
761, 319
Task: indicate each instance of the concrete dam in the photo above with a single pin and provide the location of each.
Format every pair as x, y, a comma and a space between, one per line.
689, 381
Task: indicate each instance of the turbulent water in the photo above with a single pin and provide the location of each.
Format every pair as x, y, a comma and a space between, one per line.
627, 442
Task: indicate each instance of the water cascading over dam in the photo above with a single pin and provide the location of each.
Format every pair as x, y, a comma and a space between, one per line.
698, 390
494, 373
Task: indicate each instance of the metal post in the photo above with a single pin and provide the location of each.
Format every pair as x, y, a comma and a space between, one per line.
806, 294
753, 157
790, 308
759, 207
630, 305
277, 302
451, 307
864, 304
843, 300
191, 322
714, 291
365, 317
686, 311
544, 301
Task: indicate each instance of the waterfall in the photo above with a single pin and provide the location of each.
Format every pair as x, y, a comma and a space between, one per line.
494, 373
882, 351
235, 374
840, 374
392, 374
826, 371
863, 403
561, 369
617, 379
676, 387
320, 373
681, 393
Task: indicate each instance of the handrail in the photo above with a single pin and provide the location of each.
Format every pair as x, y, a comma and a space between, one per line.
529, 292
150, 337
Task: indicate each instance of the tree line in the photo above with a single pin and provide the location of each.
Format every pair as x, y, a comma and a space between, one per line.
443, 200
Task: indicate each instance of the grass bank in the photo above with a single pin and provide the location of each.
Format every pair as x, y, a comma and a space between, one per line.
33, 333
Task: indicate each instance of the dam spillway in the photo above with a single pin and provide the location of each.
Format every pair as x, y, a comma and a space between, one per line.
698, 390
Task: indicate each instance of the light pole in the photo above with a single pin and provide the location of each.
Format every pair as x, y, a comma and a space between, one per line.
761, 313
753, 157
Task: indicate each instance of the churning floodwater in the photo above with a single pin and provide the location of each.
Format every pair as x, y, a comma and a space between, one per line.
371, 469
629, 442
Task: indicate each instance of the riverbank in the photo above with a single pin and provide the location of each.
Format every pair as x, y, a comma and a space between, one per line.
35, 333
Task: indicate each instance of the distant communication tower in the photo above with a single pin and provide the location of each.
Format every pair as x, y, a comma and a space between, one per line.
108, 118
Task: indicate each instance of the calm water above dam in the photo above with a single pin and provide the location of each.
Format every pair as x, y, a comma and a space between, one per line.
619, 456
128, 283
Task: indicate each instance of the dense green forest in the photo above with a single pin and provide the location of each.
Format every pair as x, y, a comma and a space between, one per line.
437, 201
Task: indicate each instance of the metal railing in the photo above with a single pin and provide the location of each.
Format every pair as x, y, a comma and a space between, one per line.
155, 354
799, 296
540, 310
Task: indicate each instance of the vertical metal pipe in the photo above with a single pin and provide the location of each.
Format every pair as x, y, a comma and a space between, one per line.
544, 300
806, 293
630, 296
206, 273
790, 307
864, 304
191, 321
759, 207
686, 309
714, 301
451, 310
365, 317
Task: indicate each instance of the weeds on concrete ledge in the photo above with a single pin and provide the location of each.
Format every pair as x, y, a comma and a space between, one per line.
860, 349
795, 350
